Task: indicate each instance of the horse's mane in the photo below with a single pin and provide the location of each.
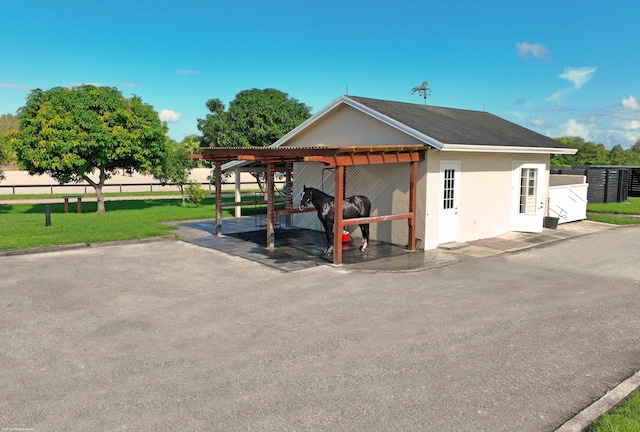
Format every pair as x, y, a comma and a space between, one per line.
320, 192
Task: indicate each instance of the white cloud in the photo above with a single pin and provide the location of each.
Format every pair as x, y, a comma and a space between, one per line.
573, 128
170, 116
14, 86
632, 125
538, 122
631, 103
188, 72
537, 51
578, 76
557, 96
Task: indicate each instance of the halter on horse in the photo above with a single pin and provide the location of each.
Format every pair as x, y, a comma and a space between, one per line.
352, 207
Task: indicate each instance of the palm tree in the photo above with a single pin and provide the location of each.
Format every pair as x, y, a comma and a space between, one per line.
423, 90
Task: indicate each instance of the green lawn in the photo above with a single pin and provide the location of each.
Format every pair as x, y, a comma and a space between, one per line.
625, 418
612, 213
632, 207
23, 225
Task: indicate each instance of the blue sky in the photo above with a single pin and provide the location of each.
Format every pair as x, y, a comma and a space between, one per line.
557, 67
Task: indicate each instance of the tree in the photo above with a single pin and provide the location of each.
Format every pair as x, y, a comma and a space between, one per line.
588, 153
594, 154
636, 147
8, 126
175, 167
255, 118
620, 156
73, 133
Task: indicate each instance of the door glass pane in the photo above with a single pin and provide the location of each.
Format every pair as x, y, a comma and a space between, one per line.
528, 186
448, 188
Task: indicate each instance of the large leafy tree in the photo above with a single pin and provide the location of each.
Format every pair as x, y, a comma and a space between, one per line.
87, 133
255, 118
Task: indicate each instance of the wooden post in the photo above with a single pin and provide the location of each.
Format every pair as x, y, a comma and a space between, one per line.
238, 190
413, 185
271, 207
344, 184
288, 182
337, 215
218, 175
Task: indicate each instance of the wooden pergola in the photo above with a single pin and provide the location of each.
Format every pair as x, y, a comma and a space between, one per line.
337, 157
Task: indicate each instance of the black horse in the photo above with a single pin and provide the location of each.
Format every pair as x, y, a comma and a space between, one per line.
352, 207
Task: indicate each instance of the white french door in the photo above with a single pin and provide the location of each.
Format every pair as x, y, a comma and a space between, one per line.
448, 219
527, 197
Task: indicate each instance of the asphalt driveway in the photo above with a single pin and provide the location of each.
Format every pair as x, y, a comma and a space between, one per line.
173, 336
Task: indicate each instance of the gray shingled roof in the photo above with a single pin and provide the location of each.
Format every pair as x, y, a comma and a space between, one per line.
457, 126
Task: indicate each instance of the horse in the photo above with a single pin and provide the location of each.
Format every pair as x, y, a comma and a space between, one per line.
352, 207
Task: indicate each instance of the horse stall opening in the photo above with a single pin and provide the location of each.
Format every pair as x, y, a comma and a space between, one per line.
338, 157
388, 188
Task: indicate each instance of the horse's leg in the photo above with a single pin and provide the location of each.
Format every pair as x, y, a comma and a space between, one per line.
364, 228
328, 227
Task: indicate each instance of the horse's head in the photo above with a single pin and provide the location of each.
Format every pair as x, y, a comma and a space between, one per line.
307, 195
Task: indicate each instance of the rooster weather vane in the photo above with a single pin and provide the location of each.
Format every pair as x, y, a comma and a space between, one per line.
423, 90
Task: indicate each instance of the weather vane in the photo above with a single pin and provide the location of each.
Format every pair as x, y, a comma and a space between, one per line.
423, 90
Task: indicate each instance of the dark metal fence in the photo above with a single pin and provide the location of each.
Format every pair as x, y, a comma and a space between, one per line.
634, 182
607, 184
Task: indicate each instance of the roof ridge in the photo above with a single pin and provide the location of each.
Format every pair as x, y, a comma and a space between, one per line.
414, 104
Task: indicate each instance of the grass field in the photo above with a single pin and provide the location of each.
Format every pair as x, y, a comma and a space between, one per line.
23, 225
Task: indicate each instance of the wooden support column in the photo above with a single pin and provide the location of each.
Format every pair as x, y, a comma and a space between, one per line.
337, 215
218, 175
271, 207
288, 182
413, 186
344, 183
238, 190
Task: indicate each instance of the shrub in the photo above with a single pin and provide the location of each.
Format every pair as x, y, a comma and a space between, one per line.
196, 193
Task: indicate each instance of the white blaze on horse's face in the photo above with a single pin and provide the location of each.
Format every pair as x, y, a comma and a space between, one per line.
302, 203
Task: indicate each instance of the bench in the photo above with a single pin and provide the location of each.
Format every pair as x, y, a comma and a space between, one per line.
66, 202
